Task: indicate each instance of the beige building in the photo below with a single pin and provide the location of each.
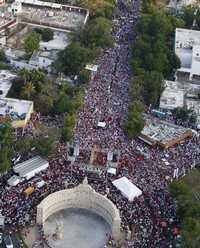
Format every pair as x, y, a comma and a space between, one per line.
163, 133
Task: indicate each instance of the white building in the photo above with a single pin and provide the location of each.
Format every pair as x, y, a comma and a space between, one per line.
181, 94
172, 96
187, 48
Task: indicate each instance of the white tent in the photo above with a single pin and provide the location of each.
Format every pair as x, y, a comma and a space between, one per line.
91, 67
112, 171
127, 188
14, 180
101, 124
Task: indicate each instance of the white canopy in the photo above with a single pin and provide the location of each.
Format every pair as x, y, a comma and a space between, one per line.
112, 171
101, 124
14, 180
127, 188
91, 67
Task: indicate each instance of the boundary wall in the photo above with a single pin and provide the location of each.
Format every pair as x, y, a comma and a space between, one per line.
84, 197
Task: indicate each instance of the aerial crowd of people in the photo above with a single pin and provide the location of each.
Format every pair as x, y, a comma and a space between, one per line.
151, 218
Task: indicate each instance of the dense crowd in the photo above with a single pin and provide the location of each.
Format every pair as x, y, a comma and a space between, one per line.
151, 218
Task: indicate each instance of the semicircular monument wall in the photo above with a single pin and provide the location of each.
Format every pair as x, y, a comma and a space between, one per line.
84, 197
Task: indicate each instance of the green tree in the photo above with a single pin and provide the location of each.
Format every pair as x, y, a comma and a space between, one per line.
69, 123
73, 58
2, 56
63, 104
188, 15
32, 42
24, 145
6, 135
44, 145
97, 33
5, 160
44, 103
83, 77
105, 8
182, 114
153, 87
6, 142
28, 90
135, 122
67, 133
46, 34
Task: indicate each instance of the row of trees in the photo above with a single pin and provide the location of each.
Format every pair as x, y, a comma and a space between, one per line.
153, 60
87, 44
6, 151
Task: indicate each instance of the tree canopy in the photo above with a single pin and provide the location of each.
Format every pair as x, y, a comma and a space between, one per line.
185, 192
104, 8
6, 141
135, 122
32, 42
73, 58
46, 33
97, 33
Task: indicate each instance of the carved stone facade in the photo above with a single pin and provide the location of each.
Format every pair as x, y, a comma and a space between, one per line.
82, 196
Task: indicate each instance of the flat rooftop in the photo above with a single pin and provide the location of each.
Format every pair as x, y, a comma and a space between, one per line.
29, 165
52, 14
172, 96
186, 38
5, 81
161, 131
14, 108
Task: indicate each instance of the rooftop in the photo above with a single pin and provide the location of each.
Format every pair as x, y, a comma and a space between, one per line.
52, 14
187, 48
14, 108
172, 96
29, 165
162, 132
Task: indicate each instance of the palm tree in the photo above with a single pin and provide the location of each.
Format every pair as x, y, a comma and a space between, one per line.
25, 74
28, 90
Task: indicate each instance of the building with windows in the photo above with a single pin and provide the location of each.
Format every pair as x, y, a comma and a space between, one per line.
187, 48
181, 94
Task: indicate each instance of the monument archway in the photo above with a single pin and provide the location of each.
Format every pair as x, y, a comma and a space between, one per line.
82, 197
